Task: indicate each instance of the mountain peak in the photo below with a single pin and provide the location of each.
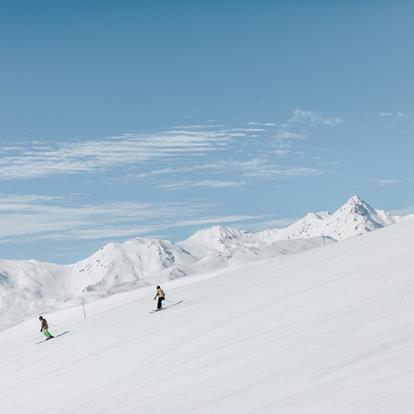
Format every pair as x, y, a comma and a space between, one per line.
217, 232
356, 206
354, 218
355, 199
357, 202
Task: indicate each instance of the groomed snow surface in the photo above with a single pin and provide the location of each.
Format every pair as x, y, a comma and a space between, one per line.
326, 331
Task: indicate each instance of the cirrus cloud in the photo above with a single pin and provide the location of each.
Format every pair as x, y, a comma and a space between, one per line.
313, 118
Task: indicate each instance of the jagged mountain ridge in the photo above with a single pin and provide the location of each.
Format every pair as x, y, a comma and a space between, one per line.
139, 262
354, 218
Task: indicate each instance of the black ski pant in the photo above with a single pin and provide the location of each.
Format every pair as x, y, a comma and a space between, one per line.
159, 305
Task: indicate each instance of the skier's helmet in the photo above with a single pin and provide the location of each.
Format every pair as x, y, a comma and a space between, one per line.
158, 287
40, 318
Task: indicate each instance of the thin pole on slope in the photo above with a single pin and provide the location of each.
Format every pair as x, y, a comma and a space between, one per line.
83, 303
323, 236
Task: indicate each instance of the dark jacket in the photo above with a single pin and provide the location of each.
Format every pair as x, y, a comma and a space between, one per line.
43, 324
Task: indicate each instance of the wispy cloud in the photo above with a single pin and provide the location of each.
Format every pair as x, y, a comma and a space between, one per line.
283, 134
271, 172
46, 158
268, 124
39, 217
175, 151
204, 221
282, 152
210, 157
298, 126
394, 116
385, 182
247, 129
201, 184
35, 215
313, 118
263, 168
23, 199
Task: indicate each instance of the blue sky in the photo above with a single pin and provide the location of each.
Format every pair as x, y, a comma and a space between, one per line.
156, 118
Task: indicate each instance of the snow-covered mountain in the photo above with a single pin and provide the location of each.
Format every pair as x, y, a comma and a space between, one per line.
35, 286
354, 218
140, 262
29, 285
118, 264
219, 246
323, 332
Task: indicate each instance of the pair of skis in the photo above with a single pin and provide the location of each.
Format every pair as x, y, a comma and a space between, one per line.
47, 340
166, 307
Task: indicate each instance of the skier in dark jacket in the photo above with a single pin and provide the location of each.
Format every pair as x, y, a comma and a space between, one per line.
161, 296
44, 328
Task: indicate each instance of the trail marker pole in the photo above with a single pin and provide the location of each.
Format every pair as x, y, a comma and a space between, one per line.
83, 303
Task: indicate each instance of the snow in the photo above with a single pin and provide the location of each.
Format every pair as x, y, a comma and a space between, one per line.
323, 331
28, 285
119, 263
354, 218
27, 288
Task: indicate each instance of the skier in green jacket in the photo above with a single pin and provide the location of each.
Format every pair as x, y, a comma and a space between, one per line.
44, 328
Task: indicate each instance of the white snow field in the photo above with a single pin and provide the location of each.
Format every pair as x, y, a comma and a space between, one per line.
326, 331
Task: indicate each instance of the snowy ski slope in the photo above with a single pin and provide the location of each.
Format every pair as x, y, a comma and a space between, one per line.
327, 331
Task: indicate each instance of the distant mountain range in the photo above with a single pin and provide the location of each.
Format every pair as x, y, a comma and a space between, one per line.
28, 287
354, 218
